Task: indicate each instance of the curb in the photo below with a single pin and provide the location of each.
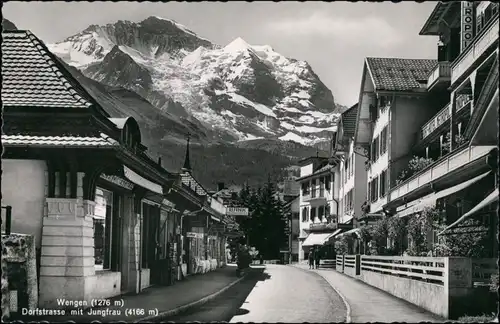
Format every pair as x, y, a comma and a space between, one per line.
191, 305
346, 303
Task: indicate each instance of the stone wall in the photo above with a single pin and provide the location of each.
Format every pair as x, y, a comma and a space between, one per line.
19, 277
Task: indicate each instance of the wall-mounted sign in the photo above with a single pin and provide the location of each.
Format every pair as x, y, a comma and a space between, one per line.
118, 181
194, 235
467, 24
237, 211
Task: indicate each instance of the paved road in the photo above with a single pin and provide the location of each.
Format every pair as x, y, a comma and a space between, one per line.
276, 293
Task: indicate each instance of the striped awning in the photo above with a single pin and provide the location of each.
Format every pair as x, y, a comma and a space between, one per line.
141, 181
319, 238
352, 231
431, 199
491, 198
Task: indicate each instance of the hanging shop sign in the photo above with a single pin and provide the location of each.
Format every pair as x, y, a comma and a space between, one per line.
194, 235
467, 20
237, 211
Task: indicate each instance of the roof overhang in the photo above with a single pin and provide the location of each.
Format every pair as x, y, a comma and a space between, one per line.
431, 26
314, 175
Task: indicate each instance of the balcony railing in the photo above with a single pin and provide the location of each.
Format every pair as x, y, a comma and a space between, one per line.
314, 196
441, 167
440, 118
443, 115
442, 72
468, 58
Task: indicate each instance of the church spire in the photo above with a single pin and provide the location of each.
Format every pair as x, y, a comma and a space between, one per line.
187, 163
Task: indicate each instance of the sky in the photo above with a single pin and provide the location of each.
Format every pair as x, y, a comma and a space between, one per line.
334, 38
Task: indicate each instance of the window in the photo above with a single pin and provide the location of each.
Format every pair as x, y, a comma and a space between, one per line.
346, 169
328, 181
103, 217
313, 214
313, 188
382, 101
305, 188
383, 183
304, 214
383, 140
369, 191
322, 187
372, 151
321, 213
374, 190
327, 210
376, 148
351, 200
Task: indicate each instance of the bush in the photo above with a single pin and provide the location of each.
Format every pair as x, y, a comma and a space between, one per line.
494, 283
415, 165
396, 229
379, 236
342, 245
477, 319
470, 240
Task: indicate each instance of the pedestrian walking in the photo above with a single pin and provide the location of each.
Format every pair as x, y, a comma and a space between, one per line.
317, 257
311, 259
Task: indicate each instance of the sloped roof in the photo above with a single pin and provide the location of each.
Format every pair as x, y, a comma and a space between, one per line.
349, 121
103, 141
32, 78
396, 74
188, 180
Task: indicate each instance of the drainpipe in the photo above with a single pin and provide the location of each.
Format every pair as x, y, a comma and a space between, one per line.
140, 250
337, 206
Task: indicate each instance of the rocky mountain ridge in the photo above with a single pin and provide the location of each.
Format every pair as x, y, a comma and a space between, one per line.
238, 92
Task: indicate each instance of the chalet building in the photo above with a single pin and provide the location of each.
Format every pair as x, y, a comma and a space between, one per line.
461, 138
107, 219
353, 173
203, 241
430, 126
319, 203
292, 211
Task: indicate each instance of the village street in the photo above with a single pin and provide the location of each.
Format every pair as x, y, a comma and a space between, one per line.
274, 293
295, 294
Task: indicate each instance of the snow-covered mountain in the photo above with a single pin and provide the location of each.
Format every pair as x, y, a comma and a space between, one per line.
238, 91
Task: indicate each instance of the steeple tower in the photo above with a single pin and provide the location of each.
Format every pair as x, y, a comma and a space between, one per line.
187, 163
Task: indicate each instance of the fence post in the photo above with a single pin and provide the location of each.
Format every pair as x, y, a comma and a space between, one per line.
357, 264
458, 283
343, 263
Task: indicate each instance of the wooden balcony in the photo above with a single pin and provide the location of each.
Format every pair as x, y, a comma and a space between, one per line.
441, 167
440, 76
469, 58
443, 116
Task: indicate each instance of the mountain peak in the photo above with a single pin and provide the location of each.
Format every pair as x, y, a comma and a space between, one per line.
237, 45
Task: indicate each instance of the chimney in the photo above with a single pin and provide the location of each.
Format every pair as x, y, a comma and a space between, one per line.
220, 186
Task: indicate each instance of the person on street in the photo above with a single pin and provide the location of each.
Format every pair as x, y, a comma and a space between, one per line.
311, 259
317, 257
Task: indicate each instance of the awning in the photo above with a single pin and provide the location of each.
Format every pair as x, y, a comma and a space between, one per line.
352, 231
140, 181
491, 198
346, 220
318, 238
431, 199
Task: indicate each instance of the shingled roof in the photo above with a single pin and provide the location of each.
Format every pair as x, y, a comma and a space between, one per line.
396, 74
349, 121
31, 78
